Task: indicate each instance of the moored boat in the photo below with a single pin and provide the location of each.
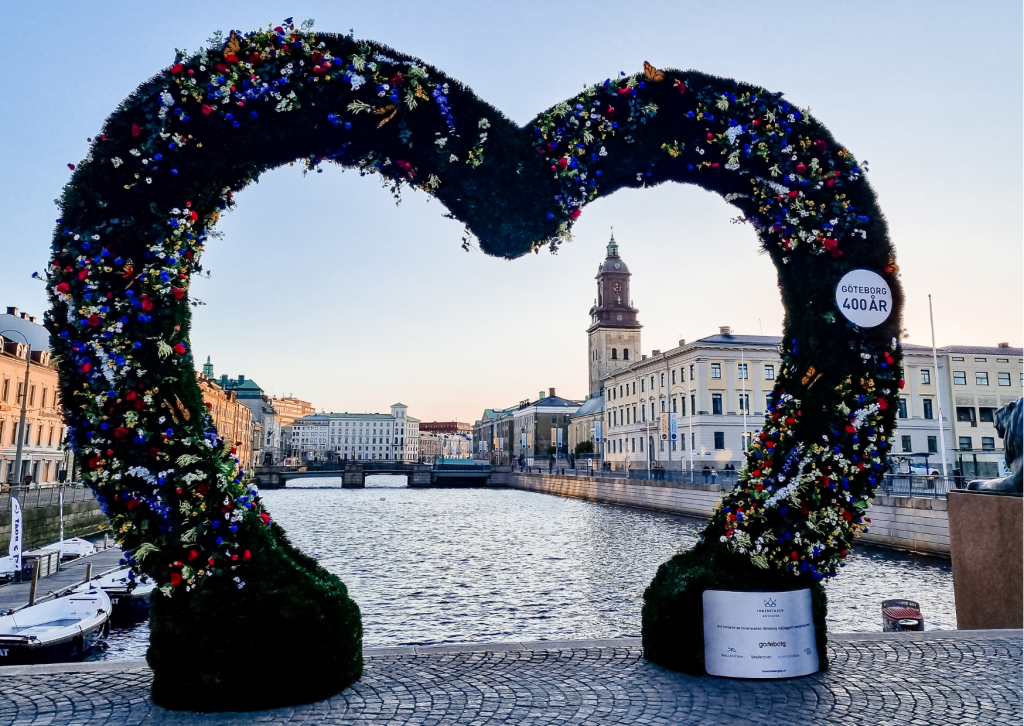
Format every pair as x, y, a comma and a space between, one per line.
56, 630
127, 604
72, 549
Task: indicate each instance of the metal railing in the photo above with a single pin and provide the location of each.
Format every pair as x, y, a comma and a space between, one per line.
46, 495
918, 485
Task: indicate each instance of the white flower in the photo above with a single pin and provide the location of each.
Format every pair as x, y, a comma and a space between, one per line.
484, 124
357, 81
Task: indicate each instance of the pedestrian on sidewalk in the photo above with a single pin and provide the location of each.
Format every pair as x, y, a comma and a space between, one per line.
714, 476
706, 471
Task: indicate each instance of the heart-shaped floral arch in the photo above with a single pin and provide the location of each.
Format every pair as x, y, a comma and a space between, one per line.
243, 619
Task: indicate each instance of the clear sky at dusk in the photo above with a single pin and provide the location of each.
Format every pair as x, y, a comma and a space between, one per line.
321, 287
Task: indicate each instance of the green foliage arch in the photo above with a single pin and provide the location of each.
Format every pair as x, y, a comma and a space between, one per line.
246, 621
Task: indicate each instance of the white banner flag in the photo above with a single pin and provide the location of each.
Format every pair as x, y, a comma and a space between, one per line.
60, 499
16, 528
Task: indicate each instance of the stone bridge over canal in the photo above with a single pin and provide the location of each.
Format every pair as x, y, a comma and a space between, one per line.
353, 474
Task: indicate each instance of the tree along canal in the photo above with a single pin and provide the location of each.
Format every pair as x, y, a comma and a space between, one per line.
432, 566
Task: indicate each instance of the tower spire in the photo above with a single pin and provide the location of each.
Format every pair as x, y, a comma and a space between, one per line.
613, 246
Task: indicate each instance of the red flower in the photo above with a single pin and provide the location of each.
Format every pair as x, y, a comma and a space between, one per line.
794, 555
680, 85
86, 367
819, 146
192, 554
563, 162
800, 168
222, 67
234, 557
147, 304
179, 348
136, 130
130, 396
265, 517
178, 293
231, 57
177, 68
883, 404
790, 420
207, 110
63, 288
120, 432
194, 215
756, 473
792, 194
575, 214
82, 274
247, 555
175, 579
902, 383
94, 320
851, 430
847, 516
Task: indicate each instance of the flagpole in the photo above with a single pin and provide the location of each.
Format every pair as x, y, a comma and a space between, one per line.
938, 389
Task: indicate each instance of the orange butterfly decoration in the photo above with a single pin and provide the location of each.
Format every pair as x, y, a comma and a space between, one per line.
233, 48
652, 73
390, 110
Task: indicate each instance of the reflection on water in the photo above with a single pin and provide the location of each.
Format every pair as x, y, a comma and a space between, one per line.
456, 565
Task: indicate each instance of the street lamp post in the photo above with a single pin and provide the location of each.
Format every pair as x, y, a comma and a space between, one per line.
15, 477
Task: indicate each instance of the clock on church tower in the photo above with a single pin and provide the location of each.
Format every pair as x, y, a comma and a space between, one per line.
614, 332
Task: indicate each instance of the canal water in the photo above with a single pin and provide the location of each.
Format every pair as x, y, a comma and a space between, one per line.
432, 566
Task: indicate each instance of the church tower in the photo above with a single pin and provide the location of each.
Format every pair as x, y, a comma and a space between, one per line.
614, 333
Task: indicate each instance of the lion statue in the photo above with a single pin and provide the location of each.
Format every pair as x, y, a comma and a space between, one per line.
1008, 425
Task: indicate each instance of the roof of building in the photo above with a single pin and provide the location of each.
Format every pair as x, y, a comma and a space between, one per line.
554, 401
594, 404
981, 350
241, 384
769, 340
35, 334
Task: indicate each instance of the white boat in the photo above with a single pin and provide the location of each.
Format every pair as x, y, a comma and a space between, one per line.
7, 569
126, 603
56, 630
72, 549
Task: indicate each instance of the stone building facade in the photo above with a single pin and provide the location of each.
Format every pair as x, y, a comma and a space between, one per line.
356, 436
614, 332
540, 425
44, 458
233, 420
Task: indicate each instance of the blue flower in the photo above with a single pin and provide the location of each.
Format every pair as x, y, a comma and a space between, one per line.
550, 216
174, 171
169, 432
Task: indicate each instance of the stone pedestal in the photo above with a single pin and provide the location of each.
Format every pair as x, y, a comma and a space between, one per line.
985, 536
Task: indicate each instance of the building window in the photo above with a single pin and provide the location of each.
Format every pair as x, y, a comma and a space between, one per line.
965, 413
615, 354
988, 443
6, 389
691, 374
926, 376
986, 415
745, 440
674, 409
716, 370
693, 404
741, 371
625, 354
641, 385
663, 380
1004, 379
633, 444
744, 402
933, 444
980, 360
716, 403
905, 441
767, 401
673, 375
769, 372
965, 443
927, 408
719, 439
903, 408
981, 378
959, 378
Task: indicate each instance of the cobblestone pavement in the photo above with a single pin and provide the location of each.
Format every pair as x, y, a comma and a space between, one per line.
932, 679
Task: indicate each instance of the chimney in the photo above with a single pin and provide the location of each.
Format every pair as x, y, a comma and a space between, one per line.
725, 330
24, 316
655, 352
12, 311
32, 319
643, 357
241, 379
551, 392
682, 342
1003, 345
540, 394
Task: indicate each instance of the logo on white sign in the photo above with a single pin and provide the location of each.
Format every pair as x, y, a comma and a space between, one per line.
864, 298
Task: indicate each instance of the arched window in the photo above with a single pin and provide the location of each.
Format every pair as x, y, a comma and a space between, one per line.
615, 354
625, 354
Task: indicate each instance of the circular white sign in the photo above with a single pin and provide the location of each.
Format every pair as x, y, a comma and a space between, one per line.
864, 298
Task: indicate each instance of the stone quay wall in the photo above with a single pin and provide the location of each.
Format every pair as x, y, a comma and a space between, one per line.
907, 523
42, 524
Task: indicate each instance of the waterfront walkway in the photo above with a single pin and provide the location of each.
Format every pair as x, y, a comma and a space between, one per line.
932, 678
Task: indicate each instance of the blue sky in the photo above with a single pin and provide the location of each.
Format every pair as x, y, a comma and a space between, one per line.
322, 288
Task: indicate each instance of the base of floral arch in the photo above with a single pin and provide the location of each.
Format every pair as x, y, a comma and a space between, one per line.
673, 611
290, 636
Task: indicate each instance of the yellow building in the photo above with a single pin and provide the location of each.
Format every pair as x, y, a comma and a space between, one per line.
289, 409
42, 452
232, 418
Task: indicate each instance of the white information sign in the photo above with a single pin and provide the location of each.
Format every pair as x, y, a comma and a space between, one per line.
864, 298
759, 634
